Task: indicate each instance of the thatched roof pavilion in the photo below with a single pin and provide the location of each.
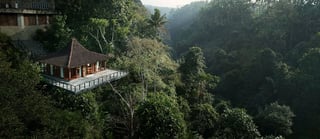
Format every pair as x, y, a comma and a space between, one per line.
73, 62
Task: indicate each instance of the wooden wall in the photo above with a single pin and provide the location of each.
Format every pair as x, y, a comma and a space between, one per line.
30, 20
8, 20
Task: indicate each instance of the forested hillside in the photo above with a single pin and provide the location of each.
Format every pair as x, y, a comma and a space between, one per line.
241, 70
265, 52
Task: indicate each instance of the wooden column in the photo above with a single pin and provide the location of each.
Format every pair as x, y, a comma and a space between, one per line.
20, 19
93, 67
61, 72
80, 71
69, 74
37, 20
84, 69
51, 70
97, 66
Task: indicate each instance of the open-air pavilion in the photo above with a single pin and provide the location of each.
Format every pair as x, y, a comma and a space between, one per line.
76, 69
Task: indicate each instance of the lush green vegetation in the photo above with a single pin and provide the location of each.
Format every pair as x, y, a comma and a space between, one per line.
266, 55
242, 70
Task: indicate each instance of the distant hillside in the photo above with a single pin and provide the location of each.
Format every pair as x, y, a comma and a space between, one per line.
164, 10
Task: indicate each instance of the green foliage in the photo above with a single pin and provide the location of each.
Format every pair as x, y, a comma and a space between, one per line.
160, 117
118, 13
182, 18
264, 51
273, 137
204, 120
222, 106
149, 63
56, 36
184, 107
11, 126
4, 38
310, 61
15, 71
220, 24
236, 123
83, 103
155, 22
275, 119
196, 81
68, 125
25, 112
193, 57
97, 30
306, 87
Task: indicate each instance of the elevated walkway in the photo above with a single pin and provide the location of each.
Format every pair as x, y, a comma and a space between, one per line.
86, 83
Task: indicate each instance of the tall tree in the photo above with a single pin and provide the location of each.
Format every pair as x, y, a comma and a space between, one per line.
204, 120
156, 22
160, 117
275, 119
236, 123
196, 81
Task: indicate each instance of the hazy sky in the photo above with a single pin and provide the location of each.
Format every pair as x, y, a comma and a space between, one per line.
168, 3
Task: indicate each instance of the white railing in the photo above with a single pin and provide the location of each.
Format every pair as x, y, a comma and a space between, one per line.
85, 85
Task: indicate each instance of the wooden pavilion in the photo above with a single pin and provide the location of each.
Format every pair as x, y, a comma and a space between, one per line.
73, 62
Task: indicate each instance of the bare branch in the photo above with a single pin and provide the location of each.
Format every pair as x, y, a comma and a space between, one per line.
121, 97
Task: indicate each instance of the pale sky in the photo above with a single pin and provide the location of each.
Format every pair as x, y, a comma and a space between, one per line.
168, 3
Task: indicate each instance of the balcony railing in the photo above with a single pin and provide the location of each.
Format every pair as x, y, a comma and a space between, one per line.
28, 4
90, 84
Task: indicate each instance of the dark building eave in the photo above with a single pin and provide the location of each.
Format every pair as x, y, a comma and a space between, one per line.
74, 55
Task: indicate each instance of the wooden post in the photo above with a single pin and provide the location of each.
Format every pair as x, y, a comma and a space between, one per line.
93, 67
69, 74
97, 66
80, 71
61, 72
84, 69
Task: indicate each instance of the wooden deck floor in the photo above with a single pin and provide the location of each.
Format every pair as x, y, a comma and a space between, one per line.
88, 82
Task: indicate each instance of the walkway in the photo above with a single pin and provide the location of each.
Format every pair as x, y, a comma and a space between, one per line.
88, 82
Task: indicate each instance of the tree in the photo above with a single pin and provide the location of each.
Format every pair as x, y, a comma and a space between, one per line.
156, 21
195, 80
309, 61
275, 119
98, 28
118, 13
204, 120
56, 36
128, 103
276, 26
31, 110
160, 117
236, 123
306, 102
182, 18
263, 50
259, 79
25, 111
149, 63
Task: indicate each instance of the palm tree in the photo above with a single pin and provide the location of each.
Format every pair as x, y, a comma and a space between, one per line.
157, 21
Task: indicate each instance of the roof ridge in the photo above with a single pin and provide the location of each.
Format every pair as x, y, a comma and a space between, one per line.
71, 51
74, 55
